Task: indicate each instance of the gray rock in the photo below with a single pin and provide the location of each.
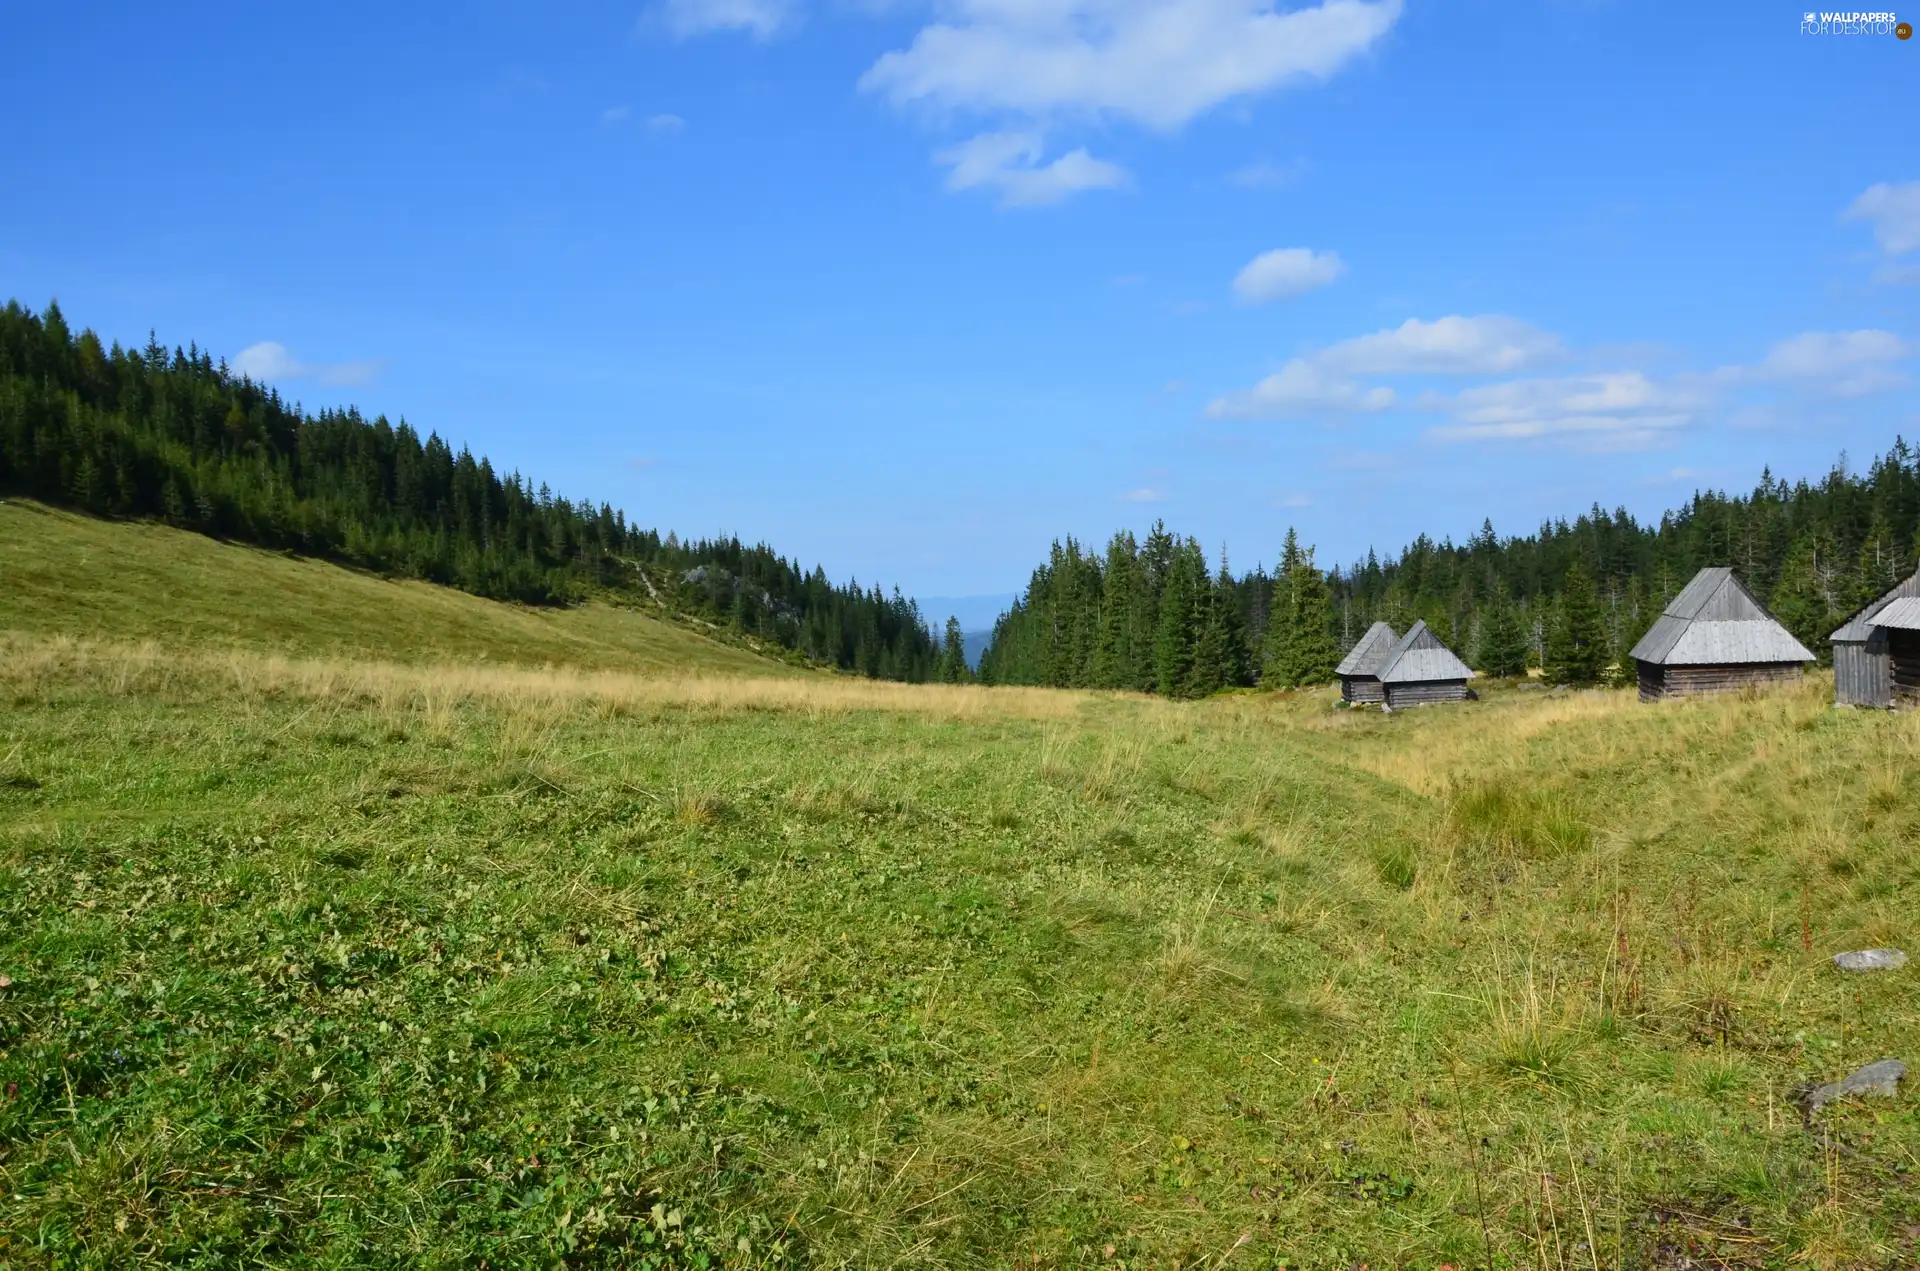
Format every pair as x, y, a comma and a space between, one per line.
1870, 960
1882, 1078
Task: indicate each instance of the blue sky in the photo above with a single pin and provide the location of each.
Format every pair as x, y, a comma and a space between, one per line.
911, 288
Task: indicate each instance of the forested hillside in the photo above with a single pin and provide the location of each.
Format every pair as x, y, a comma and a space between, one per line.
1573, 597
175, 436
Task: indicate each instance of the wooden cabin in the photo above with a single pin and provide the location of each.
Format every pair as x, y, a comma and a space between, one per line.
1714, 637
1420, 670
1359, 671
1864, 672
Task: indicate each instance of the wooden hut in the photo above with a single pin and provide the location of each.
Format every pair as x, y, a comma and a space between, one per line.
1714, 637
1359, 671
1864, 653
1419, 670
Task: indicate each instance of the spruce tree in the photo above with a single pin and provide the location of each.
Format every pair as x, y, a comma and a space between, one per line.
1113, 657
1503, 640
1181, 613
1277, 647
952, 666
1800, 599
1312, 654
1577, 640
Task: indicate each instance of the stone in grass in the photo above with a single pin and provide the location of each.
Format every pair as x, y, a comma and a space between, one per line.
1882, 1078
1870, 960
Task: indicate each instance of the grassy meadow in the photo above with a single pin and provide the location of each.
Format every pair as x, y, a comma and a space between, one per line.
398, 953
83, 577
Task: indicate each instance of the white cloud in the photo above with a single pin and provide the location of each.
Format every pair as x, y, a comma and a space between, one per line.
270, 361
1010, 163
1614, 410
665, 125
1159, 62
1285, 272
1297, 389
1487, 345
762, 19
1295, 500
1847, 363
1145, 494
615, 114
1894, 211
1324, 381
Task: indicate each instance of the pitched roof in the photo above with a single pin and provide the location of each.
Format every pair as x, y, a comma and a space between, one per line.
1419, 656
1903, 613
1715, 621
1365, 657
1856, 626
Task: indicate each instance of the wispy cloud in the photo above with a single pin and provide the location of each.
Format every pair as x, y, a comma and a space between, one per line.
1145, 494
1491, 344
270, 362
665, 125
1286, 272
1299, 389
1157, 62
761, 19
1010, 163
616, 114
1326, 382
1295, 500
1039, 67
1844, 363
1614, 410
1894, 212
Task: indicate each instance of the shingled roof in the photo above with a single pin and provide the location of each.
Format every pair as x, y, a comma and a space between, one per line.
1903, 613
1856, 628
1419, 656
1365, 657
1715, 621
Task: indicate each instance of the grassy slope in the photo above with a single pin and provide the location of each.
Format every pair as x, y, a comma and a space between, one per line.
330, 964
78, 576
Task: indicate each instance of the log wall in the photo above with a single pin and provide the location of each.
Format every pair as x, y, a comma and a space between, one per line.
1426, 693
1361, 688
1658, 682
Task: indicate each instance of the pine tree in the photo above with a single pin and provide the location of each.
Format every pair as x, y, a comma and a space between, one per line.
1182, 610
1312, 653
1299, 649
952, 666
1577, 640
1220, 657
1113, 656
1800, 600
1503, 641
1277, 646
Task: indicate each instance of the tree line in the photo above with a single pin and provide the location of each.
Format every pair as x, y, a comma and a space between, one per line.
176, 436
1571, 599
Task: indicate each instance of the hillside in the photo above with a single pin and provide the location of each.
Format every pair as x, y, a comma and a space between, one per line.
326, 962
176, 437
67, 574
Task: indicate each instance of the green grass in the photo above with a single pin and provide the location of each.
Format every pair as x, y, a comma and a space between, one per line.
72, 575
345, 965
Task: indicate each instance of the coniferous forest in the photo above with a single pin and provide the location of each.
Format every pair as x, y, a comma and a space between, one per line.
1571, 598
178, 437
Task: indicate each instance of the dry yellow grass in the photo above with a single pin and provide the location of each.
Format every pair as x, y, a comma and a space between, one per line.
148, 667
